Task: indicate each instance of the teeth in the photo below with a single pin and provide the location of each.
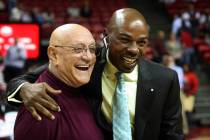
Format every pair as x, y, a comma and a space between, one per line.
129, 60
83, 68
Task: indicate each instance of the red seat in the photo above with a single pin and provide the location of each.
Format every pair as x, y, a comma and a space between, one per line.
95, 20
46, 30
4, 17
198, 41
207, 56
203, 48
98, 28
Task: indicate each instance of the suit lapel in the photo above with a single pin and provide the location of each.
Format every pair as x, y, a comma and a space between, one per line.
96, 83
144, 98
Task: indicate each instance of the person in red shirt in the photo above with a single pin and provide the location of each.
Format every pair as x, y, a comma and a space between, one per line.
190, 81
191, 84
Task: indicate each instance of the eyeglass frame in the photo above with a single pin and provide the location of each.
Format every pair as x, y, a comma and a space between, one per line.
79, 50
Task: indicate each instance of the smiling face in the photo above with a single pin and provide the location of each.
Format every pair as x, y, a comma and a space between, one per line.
74, 56
128, 37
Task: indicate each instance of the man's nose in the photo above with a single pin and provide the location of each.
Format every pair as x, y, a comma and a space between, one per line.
133, 50
87, 55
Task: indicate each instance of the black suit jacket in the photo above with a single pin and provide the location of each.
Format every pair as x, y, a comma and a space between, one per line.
158, 107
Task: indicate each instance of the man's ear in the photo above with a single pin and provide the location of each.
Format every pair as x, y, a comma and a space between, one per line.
52, 55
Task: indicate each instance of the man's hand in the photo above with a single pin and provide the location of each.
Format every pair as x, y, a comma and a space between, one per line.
36, 99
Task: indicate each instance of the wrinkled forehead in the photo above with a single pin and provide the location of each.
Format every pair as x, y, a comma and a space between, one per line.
78, 38
134, 29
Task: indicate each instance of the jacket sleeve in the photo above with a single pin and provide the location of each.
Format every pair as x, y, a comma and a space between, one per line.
171, 126
16, 83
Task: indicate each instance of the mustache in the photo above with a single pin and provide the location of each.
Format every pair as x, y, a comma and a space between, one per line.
138, 55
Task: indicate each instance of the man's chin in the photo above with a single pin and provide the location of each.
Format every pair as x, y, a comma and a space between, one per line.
82, 81
127, 69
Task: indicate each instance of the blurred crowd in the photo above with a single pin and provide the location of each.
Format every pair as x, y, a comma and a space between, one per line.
21, 13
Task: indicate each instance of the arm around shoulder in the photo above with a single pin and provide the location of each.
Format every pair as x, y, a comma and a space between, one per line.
14, 86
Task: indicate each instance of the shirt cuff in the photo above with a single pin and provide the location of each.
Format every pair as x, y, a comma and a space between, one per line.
11, 98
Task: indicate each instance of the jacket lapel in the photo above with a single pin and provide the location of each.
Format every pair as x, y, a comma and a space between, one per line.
144, 98
96, 87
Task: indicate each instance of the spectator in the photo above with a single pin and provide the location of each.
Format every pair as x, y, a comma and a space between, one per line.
190, 89
48, 17
14, 61
187, 43
176, 24
16, 14
73, 11
190, 81
174, 47
86, 10
158, 44
168, 61
11, 4
2, 5
38, 15
26, 17
186, 19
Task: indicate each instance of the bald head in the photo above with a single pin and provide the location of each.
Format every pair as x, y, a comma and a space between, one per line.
127, 36
71, 54
68, 33
126, 16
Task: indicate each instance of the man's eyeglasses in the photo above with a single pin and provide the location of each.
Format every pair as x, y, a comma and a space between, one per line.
80, 48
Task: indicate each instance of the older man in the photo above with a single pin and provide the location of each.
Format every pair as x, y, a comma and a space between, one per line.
71, 55
152, 91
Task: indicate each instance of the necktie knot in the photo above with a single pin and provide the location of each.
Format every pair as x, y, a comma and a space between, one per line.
120, 82
119, 75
